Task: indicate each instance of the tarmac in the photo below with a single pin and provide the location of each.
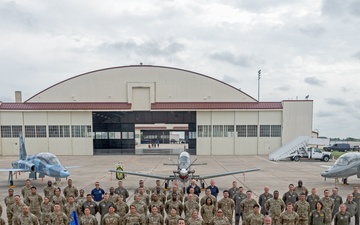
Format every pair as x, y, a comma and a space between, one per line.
277, 175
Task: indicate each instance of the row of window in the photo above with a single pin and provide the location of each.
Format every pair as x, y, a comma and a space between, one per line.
114, 135
41, 131
241, 130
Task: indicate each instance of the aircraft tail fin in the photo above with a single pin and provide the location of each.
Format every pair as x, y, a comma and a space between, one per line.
22, 150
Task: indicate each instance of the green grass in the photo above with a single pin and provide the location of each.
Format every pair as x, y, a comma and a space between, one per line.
337, 154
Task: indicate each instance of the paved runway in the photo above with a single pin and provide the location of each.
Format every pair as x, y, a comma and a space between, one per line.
277, 175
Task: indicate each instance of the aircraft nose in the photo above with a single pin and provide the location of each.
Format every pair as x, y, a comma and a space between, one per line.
64, 173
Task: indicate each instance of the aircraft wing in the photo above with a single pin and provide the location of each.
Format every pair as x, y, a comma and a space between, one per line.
163, 177
202, 177
14, 170
71, 167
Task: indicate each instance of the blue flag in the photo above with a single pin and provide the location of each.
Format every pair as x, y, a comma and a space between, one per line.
74, 219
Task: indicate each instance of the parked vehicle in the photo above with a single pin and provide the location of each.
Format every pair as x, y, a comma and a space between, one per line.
356, 148
311, 153
341, 147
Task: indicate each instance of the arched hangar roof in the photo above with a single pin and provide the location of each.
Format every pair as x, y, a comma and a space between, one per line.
112, 85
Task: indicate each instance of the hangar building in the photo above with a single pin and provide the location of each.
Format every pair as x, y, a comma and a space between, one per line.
98, 112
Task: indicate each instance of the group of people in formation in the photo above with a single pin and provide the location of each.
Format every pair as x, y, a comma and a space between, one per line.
157, 206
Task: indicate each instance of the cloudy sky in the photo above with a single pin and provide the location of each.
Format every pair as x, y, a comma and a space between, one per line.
306, 47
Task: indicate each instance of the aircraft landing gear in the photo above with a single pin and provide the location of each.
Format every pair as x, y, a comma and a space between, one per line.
345, 181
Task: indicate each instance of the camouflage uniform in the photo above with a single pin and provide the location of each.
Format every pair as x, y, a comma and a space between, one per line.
227, 205
34, 202
49, 192
146, 190
59, 219
220, 221
254, 219
247, 208
29, 219
161, 197
337, 202
238, 198
328, 207
88, 220
203, 200
300, 190
262, 200
179, 196
25, 191
351, 207
9, 200
207, 213
172, 220
195, 198
71, 191
111, 219
189, 207
121, 209
133, 219
154, 219
159, 206
46, 212
69, 208
312, 199
104, 208
192, 221
16, 210
59, 200
342, 219
317, 218
302, 208
2, 221
113, 197
80, 200
275, 207
289, 218
174, 204
145, 198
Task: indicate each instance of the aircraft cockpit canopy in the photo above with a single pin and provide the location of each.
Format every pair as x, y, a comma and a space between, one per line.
346, 159
49, 158
184, 160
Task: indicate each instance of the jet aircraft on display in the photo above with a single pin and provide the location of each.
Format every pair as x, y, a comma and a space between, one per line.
43, 163
345, 166
184, 172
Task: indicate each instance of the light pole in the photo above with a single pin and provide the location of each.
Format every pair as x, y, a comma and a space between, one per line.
259, 76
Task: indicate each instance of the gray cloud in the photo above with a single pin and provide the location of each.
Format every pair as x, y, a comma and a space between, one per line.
357, 55
152, 47
285, 87
314, 81
313, 30
336, 101
341, 8
229, 79
237, 60
322, 113
12, 16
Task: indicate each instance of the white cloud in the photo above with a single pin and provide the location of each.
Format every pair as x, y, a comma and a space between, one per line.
45, 42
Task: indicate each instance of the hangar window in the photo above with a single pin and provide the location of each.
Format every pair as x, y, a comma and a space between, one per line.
264, 130
40, 131
229, 131
204, 131
5, 131
275, 130
114, 135
54, 131
241, 130
30, 131
80, 131
64, 131
192, 135
218, 130
128, 135
251, 130
16, 131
